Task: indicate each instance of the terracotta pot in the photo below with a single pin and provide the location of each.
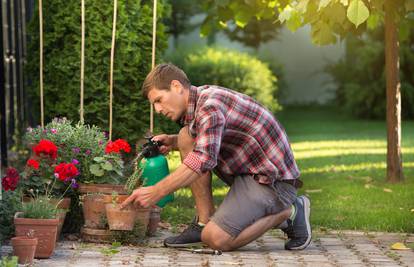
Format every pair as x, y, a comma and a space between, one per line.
102, 188
45, 231
96, 235
143, 216
154, 219
64, 204
93, 207
24, 248
120, 219
115, 198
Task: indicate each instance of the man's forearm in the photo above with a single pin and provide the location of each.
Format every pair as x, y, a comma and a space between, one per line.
174, 138
182, 177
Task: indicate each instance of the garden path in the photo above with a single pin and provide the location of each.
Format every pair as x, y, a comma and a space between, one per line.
345, 248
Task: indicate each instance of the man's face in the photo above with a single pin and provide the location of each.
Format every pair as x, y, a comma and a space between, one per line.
170, 103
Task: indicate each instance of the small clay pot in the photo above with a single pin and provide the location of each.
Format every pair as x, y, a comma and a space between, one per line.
44, 230
24, 248
120, 219
63, 204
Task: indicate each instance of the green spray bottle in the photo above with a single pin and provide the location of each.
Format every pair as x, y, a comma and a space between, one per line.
155, 167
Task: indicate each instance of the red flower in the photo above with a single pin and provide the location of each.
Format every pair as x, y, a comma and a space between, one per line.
117, 146
65, 171
10, 181
33, 163
46, 148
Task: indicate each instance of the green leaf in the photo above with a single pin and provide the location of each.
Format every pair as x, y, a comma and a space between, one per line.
344, 2
409, 5
107, 166
294, 21
205, 28
302, 6
242, 17
96, 170
373, 21
337, 13
98, 159
357, 12
322, 34
285, 14
323, 3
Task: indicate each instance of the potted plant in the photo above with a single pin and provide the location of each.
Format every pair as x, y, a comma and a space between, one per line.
24, 247
120, 219
98, 160
43, 169
40, 215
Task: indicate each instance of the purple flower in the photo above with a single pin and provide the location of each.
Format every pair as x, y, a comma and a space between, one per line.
75, 161
74, 184
106, 134
53, 131
88, 152
76, 150
100, 142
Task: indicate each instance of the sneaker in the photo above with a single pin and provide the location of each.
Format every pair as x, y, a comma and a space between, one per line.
191, 236
299, 230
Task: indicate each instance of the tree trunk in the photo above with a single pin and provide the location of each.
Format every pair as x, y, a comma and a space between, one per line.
394, 160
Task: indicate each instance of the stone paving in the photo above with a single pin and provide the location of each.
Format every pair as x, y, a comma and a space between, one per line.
346, 248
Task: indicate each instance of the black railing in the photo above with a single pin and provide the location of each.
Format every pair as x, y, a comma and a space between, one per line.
13, 100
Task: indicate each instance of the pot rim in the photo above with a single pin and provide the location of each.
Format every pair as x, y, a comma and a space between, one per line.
18, 240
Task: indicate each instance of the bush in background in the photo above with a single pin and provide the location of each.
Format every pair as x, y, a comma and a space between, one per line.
360, 76
232, 69
62, 42
9, 205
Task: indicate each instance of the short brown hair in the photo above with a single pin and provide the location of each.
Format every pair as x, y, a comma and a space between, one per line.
161, 76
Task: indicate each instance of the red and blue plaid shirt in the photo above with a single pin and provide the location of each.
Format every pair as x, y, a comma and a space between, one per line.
235, 135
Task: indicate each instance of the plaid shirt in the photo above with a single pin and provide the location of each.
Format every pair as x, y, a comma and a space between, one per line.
235, 135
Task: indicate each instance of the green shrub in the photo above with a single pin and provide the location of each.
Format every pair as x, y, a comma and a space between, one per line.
9, 205
62, 42
360, 77
8, 261
228, 68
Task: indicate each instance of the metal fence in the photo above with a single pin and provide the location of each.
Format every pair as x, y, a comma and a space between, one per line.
13, 99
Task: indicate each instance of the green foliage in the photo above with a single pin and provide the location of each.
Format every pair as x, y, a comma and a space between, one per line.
329, 19
360, 76
62, 39
8, 261
39, 208
9, 205
80, 142
235, 70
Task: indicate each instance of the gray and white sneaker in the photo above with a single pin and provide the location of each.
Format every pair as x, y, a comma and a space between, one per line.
191, 236
299, 230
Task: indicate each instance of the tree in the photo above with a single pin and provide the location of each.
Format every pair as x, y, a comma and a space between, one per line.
333, 19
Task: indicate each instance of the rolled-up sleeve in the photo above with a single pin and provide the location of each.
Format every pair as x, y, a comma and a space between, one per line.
210, 123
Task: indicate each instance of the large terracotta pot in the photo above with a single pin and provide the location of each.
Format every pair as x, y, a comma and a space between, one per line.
64, 204
93, 207
94, 202
45, 231
24, 248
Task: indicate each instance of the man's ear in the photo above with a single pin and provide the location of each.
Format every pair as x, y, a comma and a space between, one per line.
177, 86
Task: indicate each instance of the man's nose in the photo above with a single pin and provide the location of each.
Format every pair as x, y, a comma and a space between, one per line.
157, 108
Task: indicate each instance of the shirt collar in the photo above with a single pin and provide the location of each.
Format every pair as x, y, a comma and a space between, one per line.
191, 106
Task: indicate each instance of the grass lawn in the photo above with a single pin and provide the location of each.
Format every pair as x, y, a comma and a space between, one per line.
343, 166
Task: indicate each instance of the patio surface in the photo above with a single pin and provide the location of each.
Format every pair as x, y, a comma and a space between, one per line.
347, 248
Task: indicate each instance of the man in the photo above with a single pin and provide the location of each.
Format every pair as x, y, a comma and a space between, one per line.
231, 134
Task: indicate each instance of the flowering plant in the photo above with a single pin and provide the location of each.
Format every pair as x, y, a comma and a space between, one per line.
44, 169
86, 147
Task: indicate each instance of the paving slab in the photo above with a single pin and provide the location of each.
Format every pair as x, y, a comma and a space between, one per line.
335, 248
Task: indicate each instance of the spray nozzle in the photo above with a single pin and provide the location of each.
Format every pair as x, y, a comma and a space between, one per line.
151, 147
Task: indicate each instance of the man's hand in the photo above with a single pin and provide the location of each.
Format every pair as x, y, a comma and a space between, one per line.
168, 142
145, 197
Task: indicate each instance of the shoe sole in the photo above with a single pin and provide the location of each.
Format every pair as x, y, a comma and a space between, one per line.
186, 245
306, 205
